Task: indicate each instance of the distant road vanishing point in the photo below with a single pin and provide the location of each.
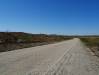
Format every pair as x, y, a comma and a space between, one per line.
65, 58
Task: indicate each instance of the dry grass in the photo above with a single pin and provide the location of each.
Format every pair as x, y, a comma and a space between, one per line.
92, 43
16, 40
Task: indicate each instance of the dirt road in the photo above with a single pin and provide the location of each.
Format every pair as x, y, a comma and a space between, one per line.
64, 58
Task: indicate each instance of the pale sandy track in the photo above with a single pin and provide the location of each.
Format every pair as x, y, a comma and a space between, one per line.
64, 58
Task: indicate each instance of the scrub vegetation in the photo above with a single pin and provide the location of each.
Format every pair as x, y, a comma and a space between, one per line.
92, 43
16, 40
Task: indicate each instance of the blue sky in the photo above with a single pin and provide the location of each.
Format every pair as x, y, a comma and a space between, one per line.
50, 16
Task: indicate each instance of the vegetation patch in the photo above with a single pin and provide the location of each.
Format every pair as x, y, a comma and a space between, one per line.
92, 43
16, 40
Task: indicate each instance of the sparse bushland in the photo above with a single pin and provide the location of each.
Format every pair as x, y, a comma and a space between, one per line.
16, 40
92, 43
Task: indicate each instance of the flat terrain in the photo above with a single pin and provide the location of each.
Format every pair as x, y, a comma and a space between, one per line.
64, 58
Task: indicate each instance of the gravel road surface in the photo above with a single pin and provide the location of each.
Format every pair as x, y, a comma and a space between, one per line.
65, 58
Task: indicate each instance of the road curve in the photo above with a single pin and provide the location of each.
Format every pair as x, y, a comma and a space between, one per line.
65, 58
